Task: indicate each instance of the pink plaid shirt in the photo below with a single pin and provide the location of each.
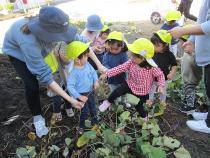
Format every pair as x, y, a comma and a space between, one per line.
139, 79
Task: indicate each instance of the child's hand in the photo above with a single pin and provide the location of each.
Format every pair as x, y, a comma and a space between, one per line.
160, 89
83, 98
96, 85
76, 104
103, 76
170, 76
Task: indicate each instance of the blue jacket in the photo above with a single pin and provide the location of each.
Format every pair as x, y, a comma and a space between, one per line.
112, 60
202, 42
26, 48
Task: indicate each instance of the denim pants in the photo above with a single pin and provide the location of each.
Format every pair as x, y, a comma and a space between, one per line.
207, 86
154, 90
122, 90
57, 102
31, 85
89, 109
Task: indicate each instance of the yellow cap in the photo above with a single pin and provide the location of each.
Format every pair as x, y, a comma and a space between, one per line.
145, 48
75, 48
186, 36
173, 15
104, 28
116, 36
164, 36
52, 62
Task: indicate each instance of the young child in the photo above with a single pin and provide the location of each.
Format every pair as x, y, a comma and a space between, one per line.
82, 81
99, 43
116, 55
171, 22
93, 26
142, 72
191, 76
165, 60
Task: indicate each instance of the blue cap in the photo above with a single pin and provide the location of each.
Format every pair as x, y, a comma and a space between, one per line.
94, 23
52, 25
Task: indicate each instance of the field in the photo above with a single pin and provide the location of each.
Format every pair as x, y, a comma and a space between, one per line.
16, 134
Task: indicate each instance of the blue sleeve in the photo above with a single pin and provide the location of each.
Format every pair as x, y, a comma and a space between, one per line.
35, 63
105, 60
192, 39
71, 85
94, 73
81, 38
163, 27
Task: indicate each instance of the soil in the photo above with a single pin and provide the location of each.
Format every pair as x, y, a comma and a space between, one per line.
12, 103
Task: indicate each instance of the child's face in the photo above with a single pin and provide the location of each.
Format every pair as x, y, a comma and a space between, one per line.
115, 48
159, 47
135, 59
171, 23
83, 60
104, 36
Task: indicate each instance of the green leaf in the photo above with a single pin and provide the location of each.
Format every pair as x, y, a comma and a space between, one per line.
157, 153
120, 109
128, 139
31, 151
66, 152
111, 138
88, 123
146, 148
132, 99
148, 126
157, 141
82, 141
170, 142
125, 116
145, 134
103, 151
54, 148
68, 141
139, 142
22, 152
44, 155
90, 134
93, 155
182, 153
155, 130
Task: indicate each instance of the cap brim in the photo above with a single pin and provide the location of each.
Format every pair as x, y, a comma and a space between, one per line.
151, 62
131, 48
95, 28
46, 36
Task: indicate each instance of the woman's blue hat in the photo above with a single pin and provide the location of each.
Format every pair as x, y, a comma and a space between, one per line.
52, 25
94, 23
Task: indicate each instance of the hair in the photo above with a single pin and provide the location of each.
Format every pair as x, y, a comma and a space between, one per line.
119, 44
84, 53
155, 39
184, 40
143, 64
107, 31
25, 29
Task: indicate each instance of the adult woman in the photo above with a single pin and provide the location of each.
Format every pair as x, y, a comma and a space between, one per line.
26, 43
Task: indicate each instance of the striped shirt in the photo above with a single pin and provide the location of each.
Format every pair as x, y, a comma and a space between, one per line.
139, 79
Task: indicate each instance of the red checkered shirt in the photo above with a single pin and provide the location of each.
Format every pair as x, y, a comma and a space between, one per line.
139, 79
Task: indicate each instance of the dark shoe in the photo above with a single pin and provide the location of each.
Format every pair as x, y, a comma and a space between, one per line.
80, 130
187, 109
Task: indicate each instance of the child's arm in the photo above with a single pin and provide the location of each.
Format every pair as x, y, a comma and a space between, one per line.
159, 75
172, 73
119, 69
71, 84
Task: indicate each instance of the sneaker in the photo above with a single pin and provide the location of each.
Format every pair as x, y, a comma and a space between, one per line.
104, 106
69, 112
199, 126
40, 127
187, 109
199, 115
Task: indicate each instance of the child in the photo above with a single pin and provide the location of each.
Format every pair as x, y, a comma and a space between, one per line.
93, 26
116, 55
142, 72
191, 75
82, 81
171, 22
54, 63
99, 43
165, 60
91, 32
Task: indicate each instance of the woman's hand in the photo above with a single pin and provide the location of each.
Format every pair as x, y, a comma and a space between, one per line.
76, 104
160, 89
103, 76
